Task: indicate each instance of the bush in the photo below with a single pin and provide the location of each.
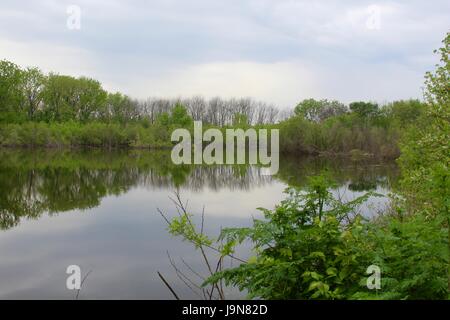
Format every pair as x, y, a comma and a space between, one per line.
313, 246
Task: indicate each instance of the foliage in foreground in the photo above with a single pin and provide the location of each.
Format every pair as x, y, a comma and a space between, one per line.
425, 156
312, 246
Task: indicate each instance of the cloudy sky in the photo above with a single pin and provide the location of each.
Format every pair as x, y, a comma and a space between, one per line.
279, 51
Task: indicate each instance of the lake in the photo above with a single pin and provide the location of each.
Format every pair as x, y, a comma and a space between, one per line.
98, 210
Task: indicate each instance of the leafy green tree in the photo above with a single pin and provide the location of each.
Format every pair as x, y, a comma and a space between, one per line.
120, 108
69, 98
425, 155
114, 103
60, 98
406, 112
425, 150
308, 108
364, 109
319, 110
11, 98
163, 119
179, 116
33, 86
92, 99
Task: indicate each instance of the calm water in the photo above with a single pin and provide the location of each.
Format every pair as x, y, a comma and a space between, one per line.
98, 210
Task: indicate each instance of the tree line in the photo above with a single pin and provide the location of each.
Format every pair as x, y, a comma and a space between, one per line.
27, 94
360, 129
38, 109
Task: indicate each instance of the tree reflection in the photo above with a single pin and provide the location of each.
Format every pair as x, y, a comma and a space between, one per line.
34, 182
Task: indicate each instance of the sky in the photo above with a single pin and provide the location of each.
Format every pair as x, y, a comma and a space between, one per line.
277, 51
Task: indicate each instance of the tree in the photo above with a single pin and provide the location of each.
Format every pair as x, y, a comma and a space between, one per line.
214, 106
308, 108
60, 97
405, 111
364, 109
197, 107
180, 117
319, 110
92, 99
163, 119
11, 98
272, 114
265, 113
33, 87
425, 149
121, 108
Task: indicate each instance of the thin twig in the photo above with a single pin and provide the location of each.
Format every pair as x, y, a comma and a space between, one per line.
192, 270
183, 277
81, 284
168, 286
203, 220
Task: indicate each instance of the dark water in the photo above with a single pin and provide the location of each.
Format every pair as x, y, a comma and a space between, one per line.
98, 210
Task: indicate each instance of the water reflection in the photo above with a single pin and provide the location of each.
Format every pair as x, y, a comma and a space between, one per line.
34, 182
98, 210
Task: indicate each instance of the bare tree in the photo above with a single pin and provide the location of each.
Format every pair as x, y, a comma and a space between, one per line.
271, 114
261, 113
285, 114
215, 111
197, 107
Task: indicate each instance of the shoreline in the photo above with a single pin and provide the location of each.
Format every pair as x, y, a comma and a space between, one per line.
354, 155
